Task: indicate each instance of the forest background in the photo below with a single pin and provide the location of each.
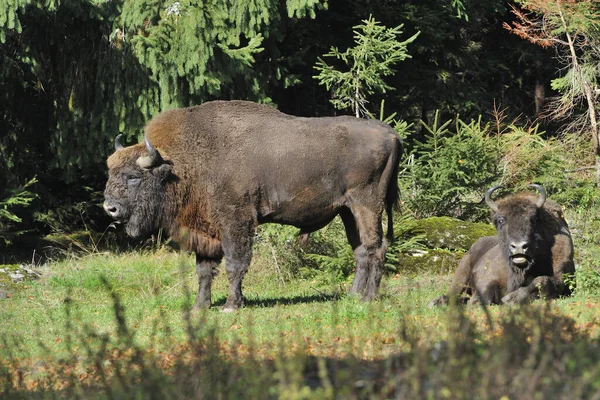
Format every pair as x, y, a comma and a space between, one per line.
74, 74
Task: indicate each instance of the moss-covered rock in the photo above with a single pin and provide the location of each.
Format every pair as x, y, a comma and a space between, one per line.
446, 240
431, 261
451, 233
13, 277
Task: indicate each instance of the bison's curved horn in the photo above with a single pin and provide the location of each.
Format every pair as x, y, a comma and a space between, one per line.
153, 157
488, 198
118, 145
542, 199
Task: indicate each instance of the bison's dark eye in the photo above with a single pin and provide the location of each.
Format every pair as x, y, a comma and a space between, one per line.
132, 180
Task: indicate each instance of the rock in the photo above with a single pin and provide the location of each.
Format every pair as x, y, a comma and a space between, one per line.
16, 276
446, 240
431, 261
32, 274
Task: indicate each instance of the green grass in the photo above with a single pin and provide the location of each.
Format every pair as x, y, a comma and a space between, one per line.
106, 311
157, 288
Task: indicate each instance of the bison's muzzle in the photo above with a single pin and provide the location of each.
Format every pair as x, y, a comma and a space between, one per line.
519, 253
113, 209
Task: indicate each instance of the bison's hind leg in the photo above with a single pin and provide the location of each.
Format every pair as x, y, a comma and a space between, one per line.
365, 234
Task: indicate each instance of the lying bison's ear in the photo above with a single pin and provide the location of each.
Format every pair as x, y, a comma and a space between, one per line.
163, 171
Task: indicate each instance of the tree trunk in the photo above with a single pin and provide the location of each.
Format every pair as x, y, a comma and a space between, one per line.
587, 89
356, 99
540, 97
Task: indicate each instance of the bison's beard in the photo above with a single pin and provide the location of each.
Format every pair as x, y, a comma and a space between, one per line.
137, 226
516, 271
517, 274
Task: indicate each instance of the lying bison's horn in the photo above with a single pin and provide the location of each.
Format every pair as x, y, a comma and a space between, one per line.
118, 145
488, 198
542, 199
153, 157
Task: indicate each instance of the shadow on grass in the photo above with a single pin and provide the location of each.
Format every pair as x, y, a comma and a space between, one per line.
261, 302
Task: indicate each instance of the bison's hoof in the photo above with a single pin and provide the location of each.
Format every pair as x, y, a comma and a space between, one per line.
232, 306
440, 301
368, 297
519, 296
201, 306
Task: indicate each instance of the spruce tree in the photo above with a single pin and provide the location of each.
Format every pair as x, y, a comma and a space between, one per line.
366, 64
74, 74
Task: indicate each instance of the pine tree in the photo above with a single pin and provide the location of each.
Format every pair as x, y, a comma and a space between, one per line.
74, 74
377, 50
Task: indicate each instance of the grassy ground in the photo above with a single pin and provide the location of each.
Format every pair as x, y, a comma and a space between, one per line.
117, 325
100, 305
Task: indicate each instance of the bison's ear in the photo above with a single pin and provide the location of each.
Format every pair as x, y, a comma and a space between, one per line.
163, 171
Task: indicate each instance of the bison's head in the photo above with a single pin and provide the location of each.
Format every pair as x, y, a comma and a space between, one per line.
136, 188
516, 219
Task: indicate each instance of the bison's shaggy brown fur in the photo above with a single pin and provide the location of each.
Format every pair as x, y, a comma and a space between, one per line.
212, 173
527, 259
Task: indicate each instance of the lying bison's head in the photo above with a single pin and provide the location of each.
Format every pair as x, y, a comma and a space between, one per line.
135, 191
517, 220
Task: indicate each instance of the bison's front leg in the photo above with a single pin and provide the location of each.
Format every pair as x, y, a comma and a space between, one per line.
206, 268
520, 296
545, 287
237, 247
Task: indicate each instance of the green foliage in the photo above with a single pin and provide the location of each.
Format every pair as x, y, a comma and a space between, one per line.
572, 28
449, 172
585, 281
132, 334
193, 48
335, 262
280, 246
529, 156
14, 199
372, 58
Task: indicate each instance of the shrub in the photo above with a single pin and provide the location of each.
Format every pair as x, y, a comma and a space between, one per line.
14, 199
336, 263
449, 172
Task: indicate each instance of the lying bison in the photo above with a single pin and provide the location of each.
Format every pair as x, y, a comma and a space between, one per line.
527, 259
210, 174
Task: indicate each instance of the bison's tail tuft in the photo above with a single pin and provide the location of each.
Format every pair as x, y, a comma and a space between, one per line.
392, 197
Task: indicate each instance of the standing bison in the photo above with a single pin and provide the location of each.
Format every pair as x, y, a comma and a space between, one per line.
210, 174
527, 259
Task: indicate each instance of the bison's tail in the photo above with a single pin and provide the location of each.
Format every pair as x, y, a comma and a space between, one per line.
392, 197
